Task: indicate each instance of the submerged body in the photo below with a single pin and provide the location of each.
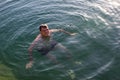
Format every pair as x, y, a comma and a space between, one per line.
44, 46
44, 43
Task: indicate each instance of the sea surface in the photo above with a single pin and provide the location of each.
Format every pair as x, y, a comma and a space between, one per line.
95, 48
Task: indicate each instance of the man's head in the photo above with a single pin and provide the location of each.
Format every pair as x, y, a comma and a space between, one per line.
43, 26
44, 30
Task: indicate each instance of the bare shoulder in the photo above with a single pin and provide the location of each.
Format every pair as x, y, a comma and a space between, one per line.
54, 30
38, 37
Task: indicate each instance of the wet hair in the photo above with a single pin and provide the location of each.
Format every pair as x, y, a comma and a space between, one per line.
43, 26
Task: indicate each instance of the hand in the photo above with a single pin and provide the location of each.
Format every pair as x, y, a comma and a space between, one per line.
29, 65
73, 34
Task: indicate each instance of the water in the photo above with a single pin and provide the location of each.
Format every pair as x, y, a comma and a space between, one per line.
95, 49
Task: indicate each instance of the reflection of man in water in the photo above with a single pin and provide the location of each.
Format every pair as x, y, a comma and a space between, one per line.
44, 44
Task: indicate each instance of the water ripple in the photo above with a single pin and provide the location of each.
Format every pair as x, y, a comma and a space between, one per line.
97, 41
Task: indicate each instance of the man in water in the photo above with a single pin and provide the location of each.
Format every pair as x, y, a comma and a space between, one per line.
43, 43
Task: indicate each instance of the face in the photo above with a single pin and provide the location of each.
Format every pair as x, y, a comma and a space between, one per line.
45, 32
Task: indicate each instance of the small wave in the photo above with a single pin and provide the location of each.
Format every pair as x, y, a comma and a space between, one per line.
100, 70
8, 0
50, 68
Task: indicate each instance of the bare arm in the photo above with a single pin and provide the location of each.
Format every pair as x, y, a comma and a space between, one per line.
29, 65
32, 46
61, 30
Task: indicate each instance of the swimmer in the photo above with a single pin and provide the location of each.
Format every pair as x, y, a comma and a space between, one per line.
43, 43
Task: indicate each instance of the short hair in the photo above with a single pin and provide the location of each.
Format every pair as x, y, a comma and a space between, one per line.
43, 26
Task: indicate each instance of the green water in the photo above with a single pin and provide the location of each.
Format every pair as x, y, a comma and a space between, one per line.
95, 49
